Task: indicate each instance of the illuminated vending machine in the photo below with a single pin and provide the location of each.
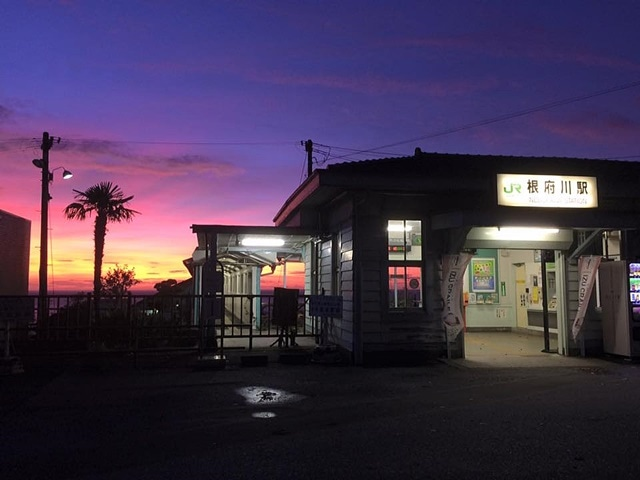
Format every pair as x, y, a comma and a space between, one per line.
620, 301
634, 297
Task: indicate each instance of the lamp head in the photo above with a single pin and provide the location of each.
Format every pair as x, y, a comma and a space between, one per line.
66, 174
38, 162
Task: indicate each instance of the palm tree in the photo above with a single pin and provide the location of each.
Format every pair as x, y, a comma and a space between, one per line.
108, 203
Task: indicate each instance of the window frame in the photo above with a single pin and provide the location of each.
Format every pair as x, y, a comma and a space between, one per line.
404, 263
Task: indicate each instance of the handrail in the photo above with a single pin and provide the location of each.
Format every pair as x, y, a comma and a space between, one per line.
137, 323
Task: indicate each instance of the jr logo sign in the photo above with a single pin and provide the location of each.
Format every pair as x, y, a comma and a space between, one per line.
548, 191
512, 188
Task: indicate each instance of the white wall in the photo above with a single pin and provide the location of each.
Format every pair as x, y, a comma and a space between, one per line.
503, 313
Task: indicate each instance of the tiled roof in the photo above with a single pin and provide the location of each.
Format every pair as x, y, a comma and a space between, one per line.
470, 164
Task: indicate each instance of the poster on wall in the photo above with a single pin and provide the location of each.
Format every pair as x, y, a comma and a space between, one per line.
483, 275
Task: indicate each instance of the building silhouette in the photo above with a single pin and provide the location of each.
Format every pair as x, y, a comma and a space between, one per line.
15, 234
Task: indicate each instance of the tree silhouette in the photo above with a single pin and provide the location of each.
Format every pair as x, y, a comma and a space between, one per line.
108, 203
165, 286
119, 280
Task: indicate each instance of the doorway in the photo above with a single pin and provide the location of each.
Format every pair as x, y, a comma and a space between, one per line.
519, 317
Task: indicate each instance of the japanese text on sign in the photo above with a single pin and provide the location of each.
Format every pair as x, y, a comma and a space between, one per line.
552, 191
325, 306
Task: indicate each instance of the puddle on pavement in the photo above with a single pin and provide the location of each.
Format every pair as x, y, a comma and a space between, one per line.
259, 395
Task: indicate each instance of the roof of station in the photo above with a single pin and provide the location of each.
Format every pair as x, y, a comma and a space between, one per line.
444, 172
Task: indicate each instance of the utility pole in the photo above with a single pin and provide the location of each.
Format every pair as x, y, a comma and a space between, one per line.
308, 146
47, 142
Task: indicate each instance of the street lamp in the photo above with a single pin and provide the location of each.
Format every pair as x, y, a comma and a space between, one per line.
66, 174
47, 177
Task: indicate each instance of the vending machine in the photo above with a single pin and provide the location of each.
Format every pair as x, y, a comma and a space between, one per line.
634, 298
620, 302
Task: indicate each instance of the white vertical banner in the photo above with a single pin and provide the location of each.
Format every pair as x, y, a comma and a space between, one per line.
453, 268
587, 269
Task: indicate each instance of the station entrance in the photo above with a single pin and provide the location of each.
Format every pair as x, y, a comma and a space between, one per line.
517, 290
511, 303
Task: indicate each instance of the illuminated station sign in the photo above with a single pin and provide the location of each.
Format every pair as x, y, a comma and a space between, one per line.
550, 191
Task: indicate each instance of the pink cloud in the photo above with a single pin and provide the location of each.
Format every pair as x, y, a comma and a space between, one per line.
119, 157
591, 126
351, 81
534, 44
378, 85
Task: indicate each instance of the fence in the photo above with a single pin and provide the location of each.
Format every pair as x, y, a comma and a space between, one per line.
139, 323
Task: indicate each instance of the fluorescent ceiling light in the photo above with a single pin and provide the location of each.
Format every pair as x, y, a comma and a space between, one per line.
521, 233
533, 230
399, 228
262, 242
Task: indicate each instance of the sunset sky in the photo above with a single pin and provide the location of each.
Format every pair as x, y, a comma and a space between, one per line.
198, 108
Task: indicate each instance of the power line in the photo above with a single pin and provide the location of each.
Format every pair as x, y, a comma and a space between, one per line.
502, 118
356, 151
375, 150
153, 142
70, 140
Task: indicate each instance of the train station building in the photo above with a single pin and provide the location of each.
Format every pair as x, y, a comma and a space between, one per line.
426, 249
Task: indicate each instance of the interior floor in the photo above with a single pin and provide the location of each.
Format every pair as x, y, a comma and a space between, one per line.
514, 349
507, 343
482, 350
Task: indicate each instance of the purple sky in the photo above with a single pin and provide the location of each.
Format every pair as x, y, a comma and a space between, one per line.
198, 108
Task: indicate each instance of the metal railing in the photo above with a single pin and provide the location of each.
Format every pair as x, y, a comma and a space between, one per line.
138, 323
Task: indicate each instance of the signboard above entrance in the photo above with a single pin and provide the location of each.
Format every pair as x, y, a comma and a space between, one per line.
550, 191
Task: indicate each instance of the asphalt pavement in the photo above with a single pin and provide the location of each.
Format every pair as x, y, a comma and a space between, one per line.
444, 420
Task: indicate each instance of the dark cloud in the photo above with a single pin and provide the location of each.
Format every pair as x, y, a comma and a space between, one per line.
5, 114
599, 126
96, 147
536, 44
377, 85
201, 164
19, 144
114, 157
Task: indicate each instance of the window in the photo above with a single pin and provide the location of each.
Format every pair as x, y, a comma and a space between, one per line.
404, 244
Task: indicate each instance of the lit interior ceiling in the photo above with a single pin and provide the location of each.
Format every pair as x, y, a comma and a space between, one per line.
240, 247
262, 250
519, 238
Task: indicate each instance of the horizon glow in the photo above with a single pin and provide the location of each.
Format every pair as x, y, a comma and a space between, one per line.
200, 110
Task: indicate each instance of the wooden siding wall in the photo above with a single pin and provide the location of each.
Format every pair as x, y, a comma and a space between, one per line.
325, 273
336, 270
346, 286
415, 330
308, 254
310, 271
370, 244
338, 254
